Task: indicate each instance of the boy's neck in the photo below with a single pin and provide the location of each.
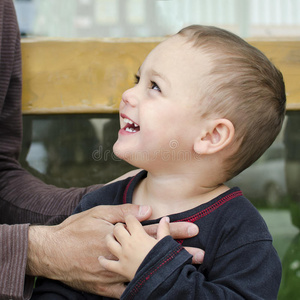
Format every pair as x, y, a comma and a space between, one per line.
170, 194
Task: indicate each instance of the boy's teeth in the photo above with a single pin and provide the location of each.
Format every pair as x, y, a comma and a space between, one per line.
127, 121
130, 129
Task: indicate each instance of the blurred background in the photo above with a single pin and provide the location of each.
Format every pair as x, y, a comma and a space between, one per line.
76, 149
144, 18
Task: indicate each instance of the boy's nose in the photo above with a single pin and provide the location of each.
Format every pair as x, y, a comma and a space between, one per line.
130, 97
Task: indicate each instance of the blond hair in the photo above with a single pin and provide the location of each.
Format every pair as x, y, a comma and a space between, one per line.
242, 86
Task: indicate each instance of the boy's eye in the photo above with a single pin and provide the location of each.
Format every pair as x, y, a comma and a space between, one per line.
154, 86
136, 79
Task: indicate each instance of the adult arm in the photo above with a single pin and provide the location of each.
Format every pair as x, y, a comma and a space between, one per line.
18, 204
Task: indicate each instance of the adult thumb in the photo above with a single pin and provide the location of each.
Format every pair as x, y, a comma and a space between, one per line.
117, 213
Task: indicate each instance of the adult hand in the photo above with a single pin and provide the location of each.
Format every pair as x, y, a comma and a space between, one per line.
69, 251
181, 230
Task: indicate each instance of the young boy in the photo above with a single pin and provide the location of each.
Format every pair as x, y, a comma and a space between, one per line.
205, 106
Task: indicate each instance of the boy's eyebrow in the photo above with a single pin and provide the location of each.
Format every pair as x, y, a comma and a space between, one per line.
155, 73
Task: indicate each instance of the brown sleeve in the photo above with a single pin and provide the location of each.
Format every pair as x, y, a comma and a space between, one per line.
13, 263
23, 198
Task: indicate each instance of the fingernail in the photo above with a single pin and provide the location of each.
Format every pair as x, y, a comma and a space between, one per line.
192, 230
143, 210
198, 257
167, 219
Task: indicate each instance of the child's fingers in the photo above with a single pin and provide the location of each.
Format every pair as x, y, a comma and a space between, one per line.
120, 232
113, 246
109, 265
133, 224
163, 228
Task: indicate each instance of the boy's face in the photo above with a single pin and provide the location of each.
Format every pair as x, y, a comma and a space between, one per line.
159, 116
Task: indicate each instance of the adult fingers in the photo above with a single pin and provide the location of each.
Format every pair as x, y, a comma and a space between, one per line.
117, 213
198, 254
178, 230
183, 230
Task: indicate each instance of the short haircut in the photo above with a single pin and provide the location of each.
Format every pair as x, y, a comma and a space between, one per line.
244, 87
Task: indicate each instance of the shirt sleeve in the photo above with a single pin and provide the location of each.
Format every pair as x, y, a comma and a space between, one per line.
249, 272
23, 198
13, 249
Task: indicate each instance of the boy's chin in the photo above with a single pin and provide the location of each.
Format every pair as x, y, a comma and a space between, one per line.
121, 153
130, 157
117, 151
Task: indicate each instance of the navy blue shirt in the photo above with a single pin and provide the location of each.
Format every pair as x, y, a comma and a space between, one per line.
240, 261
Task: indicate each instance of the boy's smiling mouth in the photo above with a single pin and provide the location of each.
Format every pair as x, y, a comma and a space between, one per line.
130, 126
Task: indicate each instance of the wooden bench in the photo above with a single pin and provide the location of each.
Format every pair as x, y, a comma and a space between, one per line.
90, 75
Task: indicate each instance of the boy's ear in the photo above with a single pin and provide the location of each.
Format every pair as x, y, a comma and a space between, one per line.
216, 135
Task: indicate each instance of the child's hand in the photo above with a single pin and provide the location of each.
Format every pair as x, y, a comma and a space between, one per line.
130, 244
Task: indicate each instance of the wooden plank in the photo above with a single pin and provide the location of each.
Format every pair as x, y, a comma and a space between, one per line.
89, 76
84, 76
286, 57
